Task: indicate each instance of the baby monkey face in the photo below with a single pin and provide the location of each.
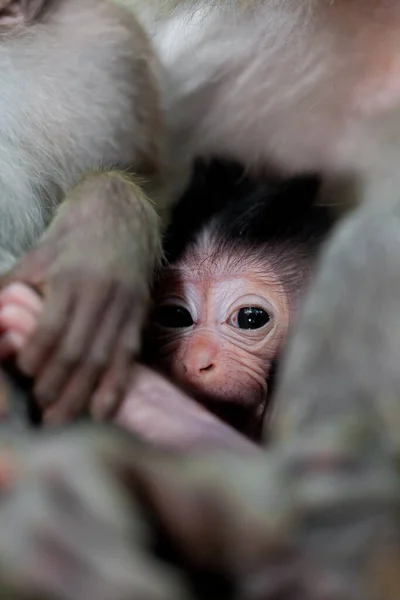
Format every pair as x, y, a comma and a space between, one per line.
217, 327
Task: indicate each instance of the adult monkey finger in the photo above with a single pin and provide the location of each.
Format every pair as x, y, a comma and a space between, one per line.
75, 397
113, 387
69, 351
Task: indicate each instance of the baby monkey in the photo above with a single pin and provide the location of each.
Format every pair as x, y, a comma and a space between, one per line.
239, 255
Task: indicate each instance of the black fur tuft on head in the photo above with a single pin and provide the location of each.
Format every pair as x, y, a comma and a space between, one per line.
245, 212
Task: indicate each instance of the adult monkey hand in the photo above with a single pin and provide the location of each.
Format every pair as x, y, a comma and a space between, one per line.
98, 88
95, 293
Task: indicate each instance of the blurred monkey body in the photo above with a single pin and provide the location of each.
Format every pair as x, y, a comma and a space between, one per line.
285, 86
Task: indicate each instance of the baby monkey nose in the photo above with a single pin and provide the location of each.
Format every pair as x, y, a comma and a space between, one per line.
198, 368
200, 362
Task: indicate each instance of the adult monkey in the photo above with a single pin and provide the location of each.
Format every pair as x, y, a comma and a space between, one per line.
321, 80
79, 95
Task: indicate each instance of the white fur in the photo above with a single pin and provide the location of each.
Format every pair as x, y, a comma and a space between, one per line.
279, 83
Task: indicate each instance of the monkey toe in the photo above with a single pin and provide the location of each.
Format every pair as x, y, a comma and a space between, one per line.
15, 318
23, 296
20, 308
16, 325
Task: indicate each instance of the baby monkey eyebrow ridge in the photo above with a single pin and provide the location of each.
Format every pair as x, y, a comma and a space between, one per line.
221, 259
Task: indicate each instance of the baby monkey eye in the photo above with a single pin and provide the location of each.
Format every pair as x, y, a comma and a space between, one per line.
173, 317
250, 317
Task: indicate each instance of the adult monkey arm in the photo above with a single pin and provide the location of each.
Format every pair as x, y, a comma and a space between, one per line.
92, 106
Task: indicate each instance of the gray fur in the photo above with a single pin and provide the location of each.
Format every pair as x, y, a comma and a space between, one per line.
72, 84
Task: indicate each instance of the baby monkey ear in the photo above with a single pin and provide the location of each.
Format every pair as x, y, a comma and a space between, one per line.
18, 12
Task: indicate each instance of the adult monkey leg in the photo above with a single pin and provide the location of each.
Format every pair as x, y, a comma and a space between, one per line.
77, 535
93, 106
295, 525
337, 407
